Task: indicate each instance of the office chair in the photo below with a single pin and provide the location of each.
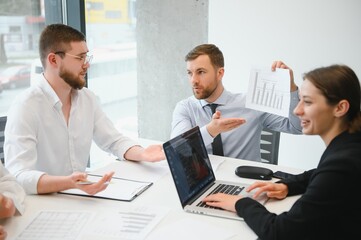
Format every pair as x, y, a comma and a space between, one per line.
269, 146
2, 136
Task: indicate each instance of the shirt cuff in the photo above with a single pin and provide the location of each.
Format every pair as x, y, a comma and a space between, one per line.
207, 138
18, 200
125, 147
29, 180
294, 95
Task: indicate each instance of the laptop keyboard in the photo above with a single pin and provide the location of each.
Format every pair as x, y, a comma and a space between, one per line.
222, 188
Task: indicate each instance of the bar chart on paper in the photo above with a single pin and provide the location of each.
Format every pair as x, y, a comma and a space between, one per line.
269, 91
126, 223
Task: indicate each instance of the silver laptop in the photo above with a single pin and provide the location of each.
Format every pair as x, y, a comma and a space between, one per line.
194, 177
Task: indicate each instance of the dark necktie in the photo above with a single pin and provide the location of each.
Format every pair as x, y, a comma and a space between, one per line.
217, 141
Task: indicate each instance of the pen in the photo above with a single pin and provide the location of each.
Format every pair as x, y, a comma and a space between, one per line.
125, 179
84, 182
90, 182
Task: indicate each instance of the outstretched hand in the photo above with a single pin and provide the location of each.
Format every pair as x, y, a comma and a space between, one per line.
219, 125
153, 153
92, 188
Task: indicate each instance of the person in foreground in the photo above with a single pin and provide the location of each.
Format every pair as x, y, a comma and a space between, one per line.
12, 197
50, 128
328, 209
240, 127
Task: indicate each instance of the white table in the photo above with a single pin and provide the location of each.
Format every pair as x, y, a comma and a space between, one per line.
161, 193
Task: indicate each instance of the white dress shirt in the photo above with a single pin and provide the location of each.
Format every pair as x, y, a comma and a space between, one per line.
10, 188
38, 140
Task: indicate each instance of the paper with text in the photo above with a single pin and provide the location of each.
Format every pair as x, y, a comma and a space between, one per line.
269, 91
126, 223
191, 229
56, 225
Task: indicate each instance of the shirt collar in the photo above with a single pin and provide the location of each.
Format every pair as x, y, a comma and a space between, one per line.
51, 94
222, 100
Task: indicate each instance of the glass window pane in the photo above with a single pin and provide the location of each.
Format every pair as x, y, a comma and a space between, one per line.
112, 76
20, 27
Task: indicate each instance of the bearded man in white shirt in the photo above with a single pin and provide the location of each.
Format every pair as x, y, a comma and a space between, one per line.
50, 128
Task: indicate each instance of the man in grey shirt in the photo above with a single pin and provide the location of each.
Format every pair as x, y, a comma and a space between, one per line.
240, 127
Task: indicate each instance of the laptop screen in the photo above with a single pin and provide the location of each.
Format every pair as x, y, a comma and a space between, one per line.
189, 164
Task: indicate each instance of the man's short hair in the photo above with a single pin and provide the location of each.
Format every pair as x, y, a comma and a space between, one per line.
213, 52
57, 38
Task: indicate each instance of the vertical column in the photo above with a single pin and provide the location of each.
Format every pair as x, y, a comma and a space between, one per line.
166, 32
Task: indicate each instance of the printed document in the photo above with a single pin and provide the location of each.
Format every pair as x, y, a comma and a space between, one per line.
126, 223
56, 225
269, 91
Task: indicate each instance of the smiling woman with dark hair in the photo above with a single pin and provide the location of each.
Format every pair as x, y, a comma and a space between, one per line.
329, 107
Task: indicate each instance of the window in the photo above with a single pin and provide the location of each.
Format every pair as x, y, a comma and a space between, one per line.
112, 76
110, 31
20, 27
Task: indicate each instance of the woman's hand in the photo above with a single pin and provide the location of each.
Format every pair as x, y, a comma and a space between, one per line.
273, 190
221, 200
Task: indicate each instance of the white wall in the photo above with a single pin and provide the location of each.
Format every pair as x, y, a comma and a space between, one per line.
304, 34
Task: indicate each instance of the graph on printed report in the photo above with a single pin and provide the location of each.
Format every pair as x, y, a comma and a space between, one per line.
269, 91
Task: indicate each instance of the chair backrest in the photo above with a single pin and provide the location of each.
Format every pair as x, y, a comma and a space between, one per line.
2, 136
269, 146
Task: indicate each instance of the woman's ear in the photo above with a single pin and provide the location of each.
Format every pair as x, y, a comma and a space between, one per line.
342, 108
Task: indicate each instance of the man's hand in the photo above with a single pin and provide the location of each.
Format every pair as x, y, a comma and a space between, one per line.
152, 153
280, 64
219, 125
93, 188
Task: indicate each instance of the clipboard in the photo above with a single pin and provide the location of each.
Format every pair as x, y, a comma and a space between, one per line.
118, 189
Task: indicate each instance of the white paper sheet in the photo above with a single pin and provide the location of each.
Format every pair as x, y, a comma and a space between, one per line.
191, 229
125, 222
269, 91
56, 225
131, 223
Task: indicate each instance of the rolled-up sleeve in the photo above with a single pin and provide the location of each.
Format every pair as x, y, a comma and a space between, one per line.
11, 188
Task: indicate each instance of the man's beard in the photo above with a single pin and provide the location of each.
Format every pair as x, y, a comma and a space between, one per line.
74, 81
205, 94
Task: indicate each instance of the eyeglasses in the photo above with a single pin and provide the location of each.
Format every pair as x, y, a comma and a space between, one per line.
87, 59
